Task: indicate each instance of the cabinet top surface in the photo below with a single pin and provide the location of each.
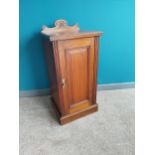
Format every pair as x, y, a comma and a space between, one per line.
80, 34
62, 31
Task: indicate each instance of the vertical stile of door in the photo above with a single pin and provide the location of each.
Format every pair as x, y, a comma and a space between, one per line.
96, 43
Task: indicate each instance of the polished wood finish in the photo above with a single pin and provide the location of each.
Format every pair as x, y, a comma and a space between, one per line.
72, 62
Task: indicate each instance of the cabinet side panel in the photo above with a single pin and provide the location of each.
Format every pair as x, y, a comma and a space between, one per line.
60, 105
53, 76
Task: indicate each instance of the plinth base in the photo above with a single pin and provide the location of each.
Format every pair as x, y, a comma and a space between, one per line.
73, 116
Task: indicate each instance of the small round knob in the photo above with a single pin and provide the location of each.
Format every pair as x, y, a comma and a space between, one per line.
63, 82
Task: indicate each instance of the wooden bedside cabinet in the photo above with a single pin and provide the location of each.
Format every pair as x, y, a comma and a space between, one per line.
72, 57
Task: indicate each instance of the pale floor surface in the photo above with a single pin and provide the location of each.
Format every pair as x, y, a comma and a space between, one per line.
110, 131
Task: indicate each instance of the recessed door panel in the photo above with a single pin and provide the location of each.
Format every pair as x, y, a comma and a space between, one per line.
76, 65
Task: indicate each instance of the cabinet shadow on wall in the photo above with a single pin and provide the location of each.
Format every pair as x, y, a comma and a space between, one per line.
37, 61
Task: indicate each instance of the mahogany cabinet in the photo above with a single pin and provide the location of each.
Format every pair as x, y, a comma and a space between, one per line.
72, 64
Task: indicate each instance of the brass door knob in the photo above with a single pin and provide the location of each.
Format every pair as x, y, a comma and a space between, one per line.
63, 82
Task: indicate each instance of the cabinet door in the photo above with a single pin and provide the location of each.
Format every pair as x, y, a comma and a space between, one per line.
76, 58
